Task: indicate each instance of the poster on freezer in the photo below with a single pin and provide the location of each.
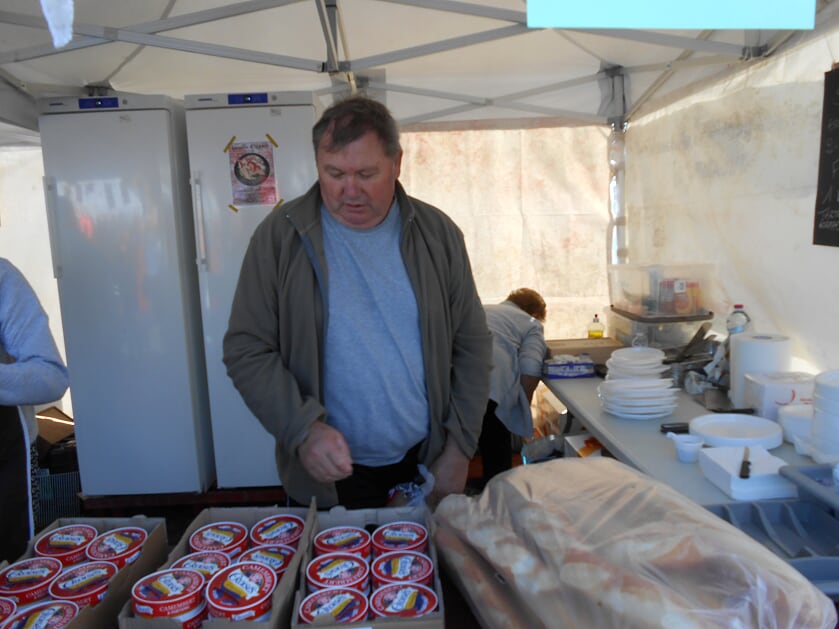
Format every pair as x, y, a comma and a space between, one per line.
251, 175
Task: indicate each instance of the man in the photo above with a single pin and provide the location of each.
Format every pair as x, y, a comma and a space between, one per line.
356, 335
519, 349
31, 372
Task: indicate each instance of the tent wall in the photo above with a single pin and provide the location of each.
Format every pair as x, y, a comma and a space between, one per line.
728, 176
533, 206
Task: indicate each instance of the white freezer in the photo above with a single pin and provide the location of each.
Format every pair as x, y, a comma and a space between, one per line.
121, 233
270, 133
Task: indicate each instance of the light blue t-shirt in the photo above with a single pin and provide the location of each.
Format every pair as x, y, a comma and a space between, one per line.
374, 377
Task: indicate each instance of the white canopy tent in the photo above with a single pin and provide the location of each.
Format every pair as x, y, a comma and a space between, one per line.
722, 128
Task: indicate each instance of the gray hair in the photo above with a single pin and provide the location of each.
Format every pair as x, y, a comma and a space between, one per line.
349, 119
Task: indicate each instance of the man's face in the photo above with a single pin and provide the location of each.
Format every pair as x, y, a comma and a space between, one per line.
357, 182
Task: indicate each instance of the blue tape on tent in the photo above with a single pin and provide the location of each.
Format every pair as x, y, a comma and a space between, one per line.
670, 15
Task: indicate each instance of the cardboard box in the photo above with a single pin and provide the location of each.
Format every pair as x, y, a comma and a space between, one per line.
281, 602
582, 445
104, 615
767, 392
599, 349
371, 518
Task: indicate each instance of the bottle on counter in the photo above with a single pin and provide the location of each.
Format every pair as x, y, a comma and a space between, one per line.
596, 328
738, 321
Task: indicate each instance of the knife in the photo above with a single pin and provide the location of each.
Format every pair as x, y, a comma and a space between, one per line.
746, 464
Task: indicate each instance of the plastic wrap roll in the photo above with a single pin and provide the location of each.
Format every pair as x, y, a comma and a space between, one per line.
753, 352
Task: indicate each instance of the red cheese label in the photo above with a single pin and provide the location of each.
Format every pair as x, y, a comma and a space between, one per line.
241, 585
278, 529
28, 580
120, 545
276, 556
207, 562
403, 600
51, 615
342, 605
227, 537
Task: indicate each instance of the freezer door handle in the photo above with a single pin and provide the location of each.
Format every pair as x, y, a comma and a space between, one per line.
51, 200
200, 235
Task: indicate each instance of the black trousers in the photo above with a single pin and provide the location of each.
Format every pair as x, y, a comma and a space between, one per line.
15, 487
494, 444
367, 487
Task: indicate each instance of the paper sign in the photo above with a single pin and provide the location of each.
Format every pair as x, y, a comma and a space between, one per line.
252, 173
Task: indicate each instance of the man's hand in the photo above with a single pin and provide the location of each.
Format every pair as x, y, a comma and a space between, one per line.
325, 454
450, 472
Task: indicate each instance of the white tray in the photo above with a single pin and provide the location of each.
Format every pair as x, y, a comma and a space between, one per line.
737, 429
721, 466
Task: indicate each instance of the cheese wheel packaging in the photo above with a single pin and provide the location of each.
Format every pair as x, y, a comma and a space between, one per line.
66, 543
242, 591
85, 584
400, 536
403, 566
403, 600
28, 580
344, 539
286, 529
207, 562
120, 546
275, 556
344, 570
170, 593
339, 605
7, 609
231, 538
49, 615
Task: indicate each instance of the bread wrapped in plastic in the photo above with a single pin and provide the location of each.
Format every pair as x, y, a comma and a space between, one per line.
594, 543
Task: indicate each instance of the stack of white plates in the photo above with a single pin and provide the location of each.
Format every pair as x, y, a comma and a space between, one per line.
824, 431
636, 362
638, 398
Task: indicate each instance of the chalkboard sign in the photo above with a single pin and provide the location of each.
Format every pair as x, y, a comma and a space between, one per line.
826, 225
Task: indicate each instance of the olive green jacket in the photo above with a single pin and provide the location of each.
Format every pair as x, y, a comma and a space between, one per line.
273, 348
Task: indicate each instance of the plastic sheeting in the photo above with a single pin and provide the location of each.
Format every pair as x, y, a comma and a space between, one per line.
593, 543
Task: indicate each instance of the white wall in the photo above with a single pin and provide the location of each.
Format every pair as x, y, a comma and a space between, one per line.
728, 176
24, 233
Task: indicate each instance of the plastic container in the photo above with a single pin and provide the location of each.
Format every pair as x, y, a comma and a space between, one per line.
50, 614
596, 328
283, 529
662, 332
340, 605
275, 556
660, 289
28, 580
172, 593
402, 600
738, 320
120, 546
66, 543
344, 539
86, 584
687, 446
402, 566
400, 535
207, 562
345, 570
231, 538
242, 591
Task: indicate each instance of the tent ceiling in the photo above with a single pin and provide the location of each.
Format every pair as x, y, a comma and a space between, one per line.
435, 61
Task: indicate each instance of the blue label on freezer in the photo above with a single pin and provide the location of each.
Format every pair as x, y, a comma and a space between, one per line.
98, 103
247, 99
